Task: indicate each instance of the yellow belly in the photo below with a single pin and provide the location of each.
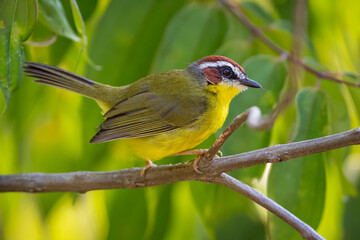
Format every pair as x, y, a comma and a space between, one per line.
178, 140
181, 139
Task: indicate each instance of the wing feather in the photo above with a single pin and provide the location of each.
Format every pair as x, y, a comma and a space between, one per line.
146, 112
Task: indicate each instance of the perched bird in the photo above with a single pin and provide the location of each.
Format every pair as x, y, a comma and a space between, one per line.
161, 114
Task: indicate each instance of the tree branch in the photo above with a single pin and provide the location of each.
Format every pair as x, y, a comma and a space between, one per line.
257, 32
165, 174
305, 230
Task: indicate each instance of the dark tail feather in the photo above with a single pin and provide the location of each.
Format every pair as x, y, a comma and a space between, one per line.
57, 77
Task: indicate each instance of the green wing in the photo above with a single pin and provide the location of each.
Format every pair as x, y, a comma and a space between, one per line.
144, 112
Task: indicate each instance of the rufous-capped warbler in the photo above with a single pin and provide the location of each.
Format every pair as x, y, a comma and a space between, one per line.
161, 114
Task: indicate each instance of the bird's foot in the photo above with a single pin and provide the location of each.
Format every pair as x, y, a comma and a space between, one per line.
149, 164
196, 164
199, 153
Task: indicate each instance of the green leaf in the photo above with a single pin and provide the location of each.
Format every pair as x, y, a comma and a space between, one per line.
127, 214
159, 209
350, 75
79, 22
88, 8
333, 211
127, 51
352, 204
283, 25
52, 14
17, 19
271, 77
2, 104
185, 42
299, 184
315, 64
259, 15
241, 225
284, 8
222, 222
280, 32
80, 26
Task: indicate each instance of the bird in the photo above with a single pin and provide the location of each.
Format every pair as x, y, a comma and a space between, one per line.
162, 114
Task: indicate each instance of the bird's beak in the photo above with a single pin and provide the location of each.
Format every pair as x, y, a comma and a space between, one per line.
250, 83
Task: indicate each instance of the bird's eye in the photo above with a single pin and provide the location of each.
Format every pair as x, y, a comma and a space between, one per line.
226, 72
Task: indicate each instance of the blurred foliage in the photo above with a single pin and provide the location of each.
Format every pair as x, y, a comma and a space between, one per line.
44, 129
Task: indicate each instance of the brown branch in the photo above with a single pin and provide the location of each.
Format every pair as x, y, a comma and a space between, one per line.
165, 174
257, 32
305, 230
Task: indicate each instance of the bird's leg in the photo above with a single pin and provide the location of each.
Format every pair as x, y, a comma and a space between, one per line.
199, 153
149, 164
190, 152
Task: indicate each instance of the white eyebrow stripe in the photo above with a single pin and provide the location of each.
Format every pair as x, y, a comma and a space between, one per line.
236, 70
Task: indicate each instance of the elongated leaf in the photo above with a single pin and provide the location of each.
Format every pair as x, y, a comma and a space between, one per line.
79, 22
185, 42
159, 211
299, 184
333, 211
352, 207
17, 18
52, 14
258, 14
80, 26
284, 8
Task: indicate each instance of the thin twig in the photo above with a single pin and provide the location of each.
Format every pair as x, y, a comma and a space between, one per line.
305, 230
253, 118
235, 124
165, 174
257, 32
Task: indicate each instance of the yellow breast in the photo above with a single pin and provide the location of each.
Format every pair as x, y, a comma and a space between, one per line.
181, 139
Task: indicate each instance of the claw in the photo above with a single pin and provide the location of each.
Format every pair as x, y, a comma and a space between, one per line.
196, 164
199, 153
149, 164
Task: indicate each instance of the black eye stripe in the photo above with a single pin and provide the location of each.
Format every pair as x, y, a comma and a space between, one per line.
227, 72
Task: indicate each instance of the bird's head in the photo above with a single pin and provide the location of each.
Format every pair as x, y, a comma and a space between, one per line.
219, 70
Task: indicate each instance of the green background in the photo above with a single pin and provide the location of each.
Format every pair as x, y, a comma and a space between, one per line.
43, 129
